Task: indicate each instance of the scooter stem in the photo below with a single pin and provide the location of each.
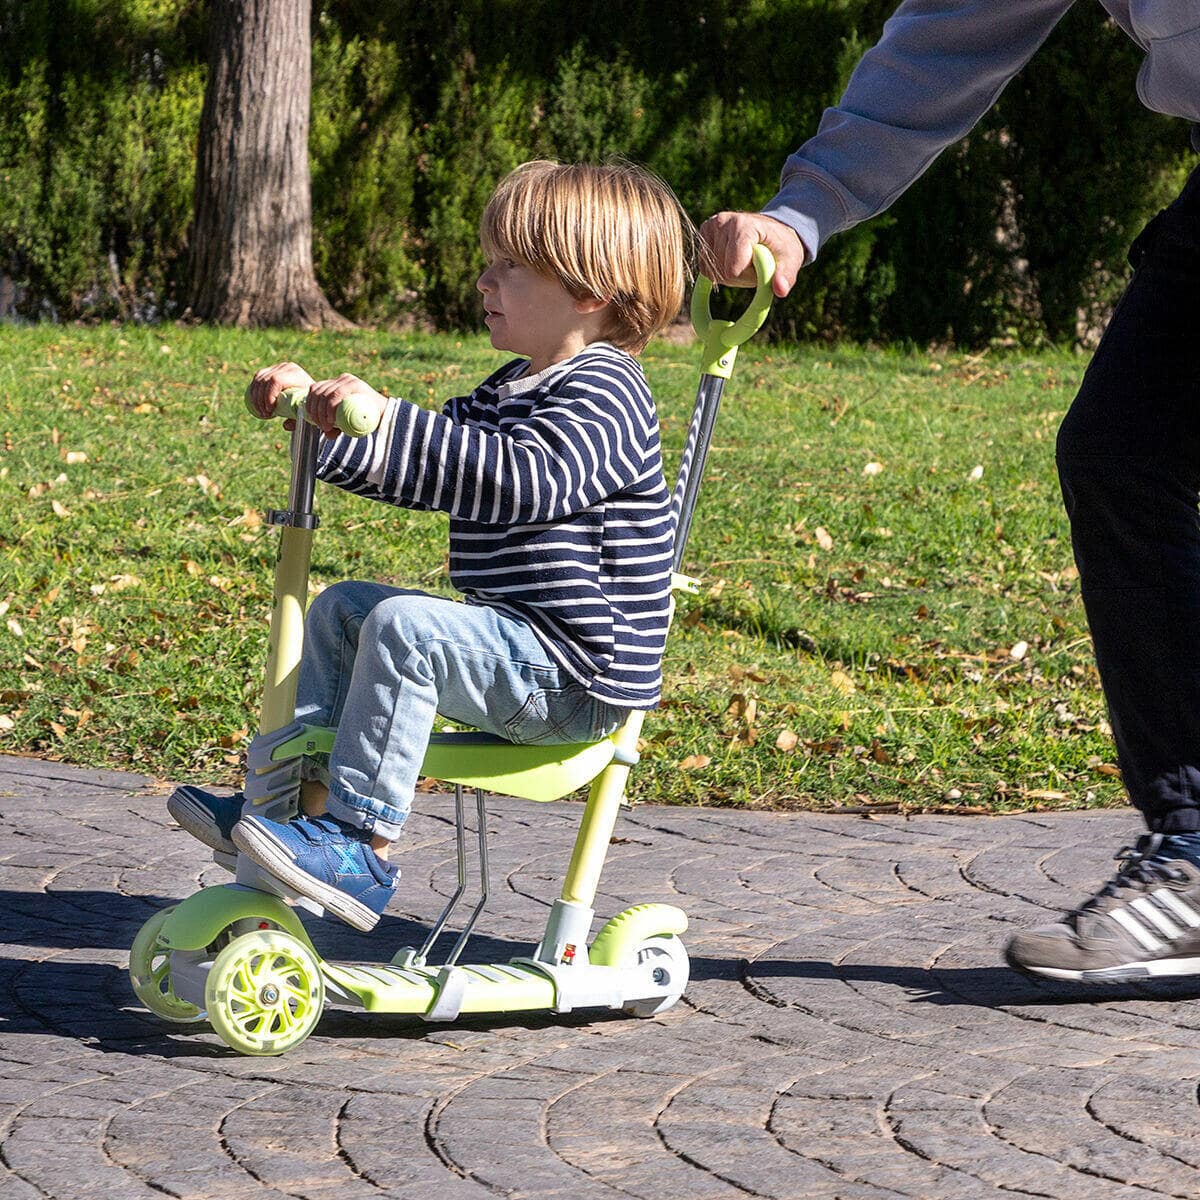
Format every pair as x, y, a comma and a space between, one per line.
286, 639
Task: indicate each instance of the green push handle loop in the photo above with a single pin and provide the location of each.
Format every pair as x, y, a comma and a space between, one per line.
350, 417
722, 338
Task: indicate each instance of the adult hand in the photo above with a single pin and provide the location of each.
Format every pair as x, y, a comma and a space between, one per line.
325, 396
270, 383
731, 238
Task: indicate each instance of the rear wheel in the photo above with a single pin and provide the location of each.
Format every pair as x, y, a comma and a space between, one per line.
265, 993
150, 973
664, 962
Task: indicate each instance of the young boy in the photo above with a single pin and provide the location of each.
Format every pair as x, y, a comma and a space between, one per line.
560, 532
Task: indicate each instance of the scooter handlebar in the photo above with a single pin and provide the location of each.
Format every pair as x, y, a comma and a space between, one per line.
351, 418
721, 339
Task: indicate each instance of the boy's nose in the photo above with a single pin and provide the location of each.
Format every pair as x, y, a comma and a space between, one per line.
484, 282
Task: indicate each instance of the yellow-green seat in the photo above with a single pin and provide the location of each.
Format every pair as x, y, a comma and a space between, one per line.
481, 760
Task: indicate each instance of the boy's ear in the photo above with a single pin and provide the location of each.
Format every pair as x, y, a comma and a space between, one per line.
586, 305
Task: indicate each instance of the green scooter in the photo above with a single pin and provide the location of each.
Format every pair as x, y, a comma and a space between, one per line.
238, 956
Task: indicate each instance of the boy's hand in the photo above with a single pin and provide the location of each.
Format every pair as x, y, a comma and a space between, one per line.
324, 398
270, 383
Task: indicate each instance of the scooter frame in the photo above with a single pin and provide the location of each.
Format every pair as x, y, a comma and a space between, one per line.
238, 955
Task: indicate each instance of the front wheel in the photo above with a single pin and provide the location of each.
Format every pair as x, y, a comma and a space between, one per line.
264, 993
663, 961
150, 973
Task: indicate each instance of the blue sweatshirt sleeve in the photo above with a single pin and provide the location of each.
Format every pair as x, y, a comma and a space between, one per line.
937, 68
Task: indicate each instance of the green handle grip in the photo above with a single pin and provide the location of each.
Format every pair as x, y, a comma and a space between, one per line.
351, 417
722, 338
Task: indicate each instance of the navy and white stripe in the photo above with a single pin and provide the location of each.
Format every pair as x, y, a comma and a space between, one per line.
559, 511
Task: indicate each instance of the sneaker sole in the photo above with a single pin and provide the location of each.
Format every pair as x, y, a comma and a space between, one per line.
1157, 968
197, 820
261, 847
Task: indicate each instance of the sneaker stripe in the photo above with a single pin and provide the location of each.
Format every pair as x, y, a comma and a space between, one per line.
1145, 908
1137, 930
1182, 908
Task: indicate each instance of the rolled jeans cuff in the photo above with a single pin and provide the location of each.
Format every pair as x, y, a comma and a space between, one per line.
370, 816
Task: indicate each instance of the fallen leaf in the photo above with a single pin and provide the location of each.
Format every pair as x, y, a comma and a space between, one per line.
694, 762
872, 468
60, 510
1018, 651
842, 683
823, 538
250, 517
786, 741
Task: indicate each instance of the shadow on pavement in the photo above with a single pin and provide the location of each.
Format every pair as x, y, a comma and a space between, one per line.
978, 987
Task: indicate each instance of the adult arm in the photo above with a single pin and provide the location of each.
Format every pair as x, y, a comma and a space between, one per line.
937, 68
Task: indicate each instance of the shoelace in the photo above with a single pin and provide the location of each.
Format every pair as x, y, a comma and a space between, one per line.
1139, 868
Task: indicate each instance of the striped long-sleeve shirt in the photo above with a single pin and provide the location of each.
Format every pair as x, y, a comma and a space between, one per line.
559, 511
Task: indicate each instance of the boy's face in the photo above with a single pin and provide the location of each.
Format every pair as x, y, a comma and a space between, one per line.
534, 315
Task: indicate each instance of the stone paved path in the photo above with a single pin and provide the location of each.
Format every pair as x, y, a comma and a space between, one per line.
848, 1032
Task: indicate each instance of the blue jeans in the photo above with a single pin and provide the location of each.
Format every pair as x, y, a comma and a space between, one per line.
1129, 463
380, 662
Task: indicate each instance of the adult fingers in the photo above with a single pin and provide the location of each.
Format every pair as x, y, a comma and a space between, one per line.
730, 238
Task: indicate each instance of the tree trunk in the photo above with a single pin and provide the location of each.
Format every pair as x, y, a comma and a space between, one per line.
251, 249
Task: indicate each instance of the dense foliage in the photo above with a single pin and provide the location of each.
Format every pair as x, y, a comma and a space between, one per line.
419, 107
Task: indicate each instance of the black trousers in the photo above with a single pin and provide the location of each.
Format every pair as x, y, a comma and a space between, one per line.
1129, 465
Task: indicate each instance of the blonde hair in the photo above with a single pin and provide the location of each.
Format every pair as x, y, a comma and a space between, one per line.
611, 232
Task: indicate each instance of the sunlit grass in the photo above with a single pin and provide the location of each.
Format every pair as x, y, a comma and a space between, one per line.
888, 613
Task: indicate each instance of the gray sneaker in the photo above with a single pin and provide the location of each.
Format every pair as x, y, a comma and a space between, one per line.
1144, 923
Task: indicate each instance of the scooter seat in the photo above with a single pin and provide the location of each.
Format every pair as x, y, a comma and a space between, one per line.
482, 760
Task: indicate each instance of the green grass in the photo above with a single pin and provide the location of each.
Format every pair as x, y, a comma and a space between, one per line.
853, 644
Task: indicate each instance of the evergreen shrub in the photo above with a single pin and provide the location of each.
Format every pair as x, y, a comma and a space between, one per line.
418, 108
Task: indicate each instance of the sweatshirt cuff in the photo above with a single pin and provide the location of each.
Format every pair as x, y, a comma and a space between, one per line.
810, 206
381, 443
343, 458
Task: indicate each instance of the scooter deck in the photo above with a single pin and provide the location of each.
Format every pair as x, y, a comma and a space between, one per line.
498, 987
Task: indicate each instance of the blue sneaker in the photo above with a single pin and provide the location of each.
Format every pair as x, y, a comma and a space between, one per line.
207, 816
325, 860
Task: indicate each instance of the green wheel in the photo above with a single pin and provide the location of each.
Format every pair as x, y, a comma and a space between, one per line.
264, 993
150, 973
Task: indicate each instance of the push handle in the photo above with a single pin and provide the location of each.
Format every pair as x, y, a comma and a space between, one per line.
351, 418
722, 338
